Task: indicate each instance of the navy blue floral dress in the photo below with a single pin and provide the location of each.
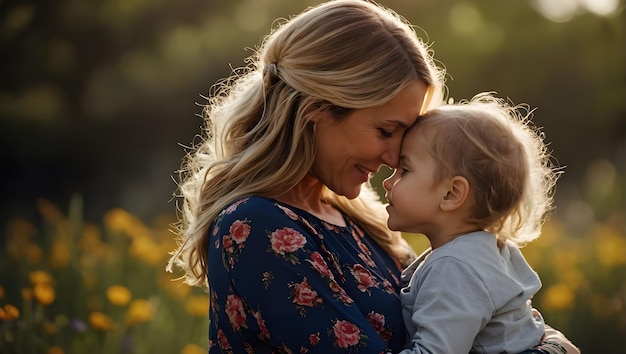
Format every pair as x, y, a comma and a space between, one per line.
283, 281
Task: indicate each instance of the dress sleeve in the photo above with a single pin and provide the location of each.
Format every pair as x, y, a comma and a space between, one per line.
274, 286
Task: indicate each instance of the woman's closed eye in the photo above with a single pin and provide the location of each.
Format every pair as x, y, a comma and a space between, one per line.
385, 133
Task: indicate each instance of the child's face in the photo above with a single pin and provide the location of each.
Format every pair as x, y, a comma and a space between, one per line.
414, 196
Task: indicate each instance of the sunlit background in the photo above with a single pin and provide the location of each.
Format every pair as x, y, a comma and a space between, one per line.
99, 98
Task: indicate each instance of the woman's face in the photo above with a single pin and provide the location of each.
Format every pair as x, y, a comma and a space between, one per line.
352, 148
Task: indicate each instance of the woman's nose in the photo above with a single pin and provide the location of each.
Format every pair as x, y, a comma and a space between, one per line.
391, 156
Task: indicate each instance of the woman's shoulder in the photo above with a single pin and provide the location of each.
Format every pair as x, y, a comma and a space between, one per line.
251, 205
259, 208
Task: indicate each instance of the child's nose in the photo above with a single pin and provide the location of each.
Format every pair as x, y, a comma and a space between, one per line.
388, 182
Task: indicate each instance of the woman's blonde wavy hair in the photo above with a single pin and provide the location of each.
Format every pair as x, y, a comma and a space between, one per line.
336, 57
502, 154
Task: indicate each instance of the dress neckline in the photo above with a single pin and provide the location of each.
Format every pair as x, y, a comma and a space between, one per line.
309, 215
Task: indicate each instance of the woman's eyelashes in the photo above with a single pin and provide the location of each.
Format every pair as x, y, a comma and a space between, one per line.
385, 133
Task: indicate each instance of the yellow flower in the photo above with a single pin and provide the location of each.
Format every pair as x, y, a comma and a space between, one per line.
27, 294
49, 211
90, 240
139, 311
557, 297
610, 246
39, 277
118, 219
59, 255
9, 312
174, 287
118, 295
551, 233
33, 253
55, 350
144, 248
122, 221
198, 305
20, 233
44, 293
99, 320
192, 349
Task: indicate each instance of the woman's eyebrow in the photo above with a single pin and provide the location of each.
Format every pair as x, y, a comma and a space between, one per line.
399, 123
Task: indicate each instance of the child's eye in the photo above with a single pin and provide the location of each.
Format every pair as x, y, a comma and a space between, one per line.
384, 133
403, 171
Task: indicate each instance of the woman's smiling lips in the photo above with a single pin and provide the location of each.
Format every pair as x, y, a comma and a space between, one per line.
365, 172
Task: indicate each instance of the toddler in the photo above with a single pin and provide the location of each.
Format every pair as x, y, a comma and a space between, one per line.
476, 178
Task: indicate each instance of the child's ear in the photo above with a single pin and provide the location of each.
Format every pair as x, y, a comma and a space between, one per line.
456, 194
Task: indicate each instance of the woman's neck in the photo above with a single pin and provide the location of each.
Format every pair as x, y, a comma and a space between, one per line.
308, 195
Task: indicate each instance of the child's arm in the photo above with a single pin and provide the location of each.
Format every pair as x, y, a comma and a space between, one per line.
448, 306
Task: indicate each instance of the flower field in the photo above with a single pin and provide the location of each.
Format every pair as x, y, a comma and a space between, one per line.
67, 286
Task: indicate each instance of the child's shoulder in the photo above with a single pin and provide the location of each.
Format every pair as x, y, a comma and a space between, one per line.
478, 246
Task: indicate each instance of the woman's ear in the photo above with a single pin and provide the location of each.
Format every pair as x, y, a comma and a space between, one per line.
456, 194
319, 116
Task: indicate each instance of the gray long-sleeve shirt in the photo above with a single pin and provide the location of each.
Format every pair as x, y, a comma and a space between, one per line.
470, 296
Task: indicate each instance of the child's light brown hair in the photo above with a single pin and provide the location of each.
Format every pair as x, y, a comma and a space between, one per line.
503, 156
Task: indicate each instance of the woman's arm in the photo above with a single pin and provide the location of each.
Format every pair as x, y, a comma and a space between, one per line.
554, 341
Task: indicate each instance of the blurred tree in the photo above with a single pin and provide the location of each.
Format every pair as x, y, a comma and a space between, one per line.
96, 97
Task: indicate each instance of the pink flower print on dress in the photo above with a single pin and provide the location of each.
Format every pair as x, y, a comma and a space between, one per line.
314, 338
261, 322
267, 279
213, 302
233, 243
340, 293
223, 341
235, 311
312, 229
364, 278
320, 265
227, 243
239, 231
364, 248
286, 242
367, 260
234, 206
378, 322
304, 295
347, 334
288, 212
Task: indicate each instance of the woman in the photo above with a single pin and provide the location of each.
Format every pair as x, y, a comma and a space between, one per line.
276, 219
